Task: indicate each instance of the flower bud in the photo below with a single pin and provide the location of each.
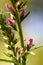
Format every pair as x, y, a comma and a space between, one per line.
5, 38
32, 53
20, 1
10, 21
0, 26
12, 63
22, 50
6, 45
9, 7
17, 54
11, 16
30, 42
22, 12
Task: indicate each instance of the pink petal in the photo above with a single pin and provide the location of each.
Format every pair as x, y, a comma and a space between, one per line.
22, 51
30, 42
17, 54
10, 21
9, 7
22, 12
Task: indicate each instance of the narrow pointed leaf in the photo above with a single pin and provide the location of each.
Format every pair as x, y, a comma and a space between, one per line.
36, 48
10, 61
23, 4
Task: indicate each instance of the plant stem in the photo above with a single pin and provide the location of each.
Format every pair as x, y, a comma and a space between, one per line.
21, 36
19, 29
23, 60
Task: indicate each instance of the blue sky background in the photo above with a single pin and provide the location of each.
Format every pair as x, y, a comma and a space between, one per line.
33, 25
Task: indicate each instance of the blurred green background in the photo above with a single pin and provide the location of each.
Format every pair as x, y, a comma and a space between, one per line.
31, 60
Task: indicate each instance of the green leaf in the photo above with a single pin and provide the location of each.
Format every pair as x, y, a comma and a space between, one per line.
14, 27
23, 4
10, 61
9, 55
15, 41
36, 48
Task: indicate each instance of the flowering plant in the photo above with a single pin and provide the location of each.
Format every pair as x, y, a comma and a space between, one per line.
13, 24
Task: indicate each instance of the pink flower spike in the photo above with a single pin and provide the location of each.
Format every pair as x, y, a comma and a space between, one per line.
30, 42
22, 12
22, 50
10, 21
9, 7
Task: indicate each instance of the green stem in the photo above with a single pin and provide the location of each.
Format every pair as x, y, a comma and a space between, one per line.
19, 29
21, 36
23, 60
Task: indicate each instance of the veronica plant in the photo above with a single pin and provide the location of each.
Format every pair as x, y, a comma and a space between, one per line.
17, 14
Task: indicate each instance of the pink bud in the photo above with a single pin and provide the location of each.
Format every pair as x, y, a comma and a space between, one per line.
9, 7
20, 1
30, 42
22, 12
22, 50
17, 54
10, 21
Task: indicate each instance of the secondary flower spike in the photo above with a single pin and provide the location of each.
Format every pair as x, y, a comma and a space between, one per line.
9, 7
10, 21
30, 42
